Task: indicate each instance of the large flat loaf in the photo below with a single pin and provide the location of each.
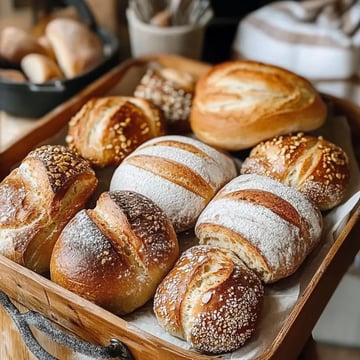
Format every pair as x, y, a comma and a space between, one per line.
237, 104
270, 226
178, 173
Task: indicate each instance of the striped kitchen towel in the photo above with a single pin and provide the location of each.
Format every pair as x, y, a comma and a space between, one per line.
318, 39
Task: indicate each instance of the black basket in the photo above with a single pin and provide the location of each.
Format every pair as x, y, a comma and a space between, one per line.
31, 100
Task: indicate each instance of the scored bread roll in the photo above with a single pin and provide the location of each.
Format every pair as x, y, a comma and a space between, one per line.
76, 47
210, 299
117, 253
37, 199
172, 91
40, 68
15, 43
237, 104
270, 226
107, 129
178, 173
315, 166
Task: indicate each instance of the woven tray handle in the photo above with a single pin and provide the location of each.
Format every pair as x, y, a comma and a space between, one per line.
23, 321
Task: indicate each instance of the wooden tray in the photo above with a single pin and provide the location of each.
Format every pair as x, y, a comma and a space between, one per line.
31, 291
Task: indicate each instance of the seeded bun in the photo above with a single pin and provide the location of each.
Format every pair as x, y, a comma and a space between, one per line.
172, 91
107, 129
210, 299
312, 165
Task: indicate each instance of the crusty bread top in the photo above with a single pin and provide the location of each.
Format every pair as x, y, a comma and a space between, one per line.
237, 104
211, 299
178, 173
271, 226
313, 165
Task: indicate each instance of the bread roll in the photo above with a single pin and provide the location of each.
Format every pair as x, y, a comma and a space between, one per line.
37, 199
77, 48
313, 165
40, 68
107, 129
12, 75
15, 43
178, 173
172, 90
237, 104
270, 226
117, 253
210, 299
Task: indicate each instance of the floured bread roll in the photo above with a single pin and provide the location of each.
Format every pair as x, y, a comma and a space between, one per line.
117, 253
37, 199
210, 299
178, 173
172, 90
237, 104
270, 226
107, 129
313, 165
76, 47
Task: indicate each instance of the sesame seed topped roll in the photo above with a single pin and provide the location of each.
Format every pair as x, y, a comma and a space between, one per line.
210, 299
313, 165
37, 199
172, 90
107, 129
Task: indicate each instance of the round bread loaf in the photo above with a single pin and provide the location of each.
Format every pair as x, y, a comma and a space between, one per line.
270, 226
37, 199
237, 104
178, 173
106, 129
117, 253
172, 91
210, 299
313, 165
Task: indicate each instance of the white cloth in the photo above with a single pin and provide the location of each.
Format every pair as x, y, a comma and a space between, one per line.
318, 39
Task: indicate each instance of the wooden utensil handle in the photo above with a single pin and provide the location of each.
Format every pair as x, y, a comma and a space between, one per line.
23, 321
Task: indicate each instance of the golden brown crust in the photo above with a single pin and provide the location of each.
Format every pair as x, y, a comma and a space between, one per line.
210, 299
37, 199
107, 129
172, 91
313, 165
117, 253
237, 104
